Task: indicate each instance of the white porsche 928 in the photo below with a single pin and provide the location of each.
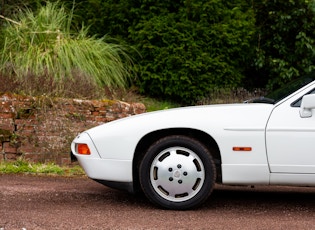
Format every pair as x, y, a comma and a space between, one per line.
176, 156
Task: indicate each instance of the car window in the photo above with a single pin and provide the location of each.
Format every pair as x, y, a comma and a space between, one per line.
284, 91
289, 88
298, 102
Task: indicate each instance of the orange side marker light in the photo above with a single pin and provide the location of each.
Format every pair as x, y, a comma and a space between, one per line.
83, 149
246, 149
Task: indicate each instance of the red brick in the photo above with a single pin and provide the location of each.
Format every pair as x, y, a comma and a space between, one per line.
7, 124
45, 133
29, 149
10, 156
65, 161
100, 119
8, 148
32, 157
95, 113
7, 115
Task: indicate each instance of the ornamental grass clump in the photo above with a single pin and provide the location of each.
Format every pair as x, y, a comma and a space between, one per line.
43, 44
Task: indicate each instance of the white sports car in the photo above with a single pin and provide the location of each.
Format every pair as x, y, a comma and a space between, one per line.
176, 156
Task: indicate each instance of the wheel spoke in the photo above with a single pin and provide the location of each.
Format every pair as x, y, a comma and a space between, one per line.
177, 174
173, 172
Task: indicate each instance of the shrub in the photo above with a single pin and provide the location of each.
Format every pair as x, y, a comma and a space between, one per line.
186, 47
190, 49
285, 40
43, 44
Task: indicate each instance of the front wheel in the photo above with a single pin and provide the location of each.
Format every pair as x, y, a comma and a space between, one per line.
177, 172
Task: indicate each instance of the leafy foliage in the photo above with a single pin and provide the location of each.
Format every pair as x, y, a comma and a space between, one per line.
43, 43
109, 17
191, 48
186, 47
286, 39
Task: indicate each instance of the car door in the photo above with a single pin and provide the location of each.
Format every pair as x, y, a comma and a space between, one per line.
290, 136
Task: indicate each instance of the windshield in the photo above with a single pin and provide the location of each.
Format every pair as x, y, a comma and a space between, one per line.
285, 91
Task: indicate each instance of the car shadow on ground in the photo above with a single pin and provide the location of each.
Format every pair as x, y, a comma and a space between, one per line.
261, 198
234, 197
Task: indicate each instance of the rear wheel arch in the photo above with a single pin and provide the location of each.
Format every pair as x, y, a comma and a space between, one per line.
149, 139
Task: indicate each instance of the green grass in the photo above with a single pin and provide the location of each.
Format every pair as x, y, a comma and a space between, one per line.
152, 104
24, 167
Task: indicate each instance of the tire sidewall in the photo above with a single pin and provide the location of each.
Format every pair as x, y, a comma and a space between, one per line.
197, 148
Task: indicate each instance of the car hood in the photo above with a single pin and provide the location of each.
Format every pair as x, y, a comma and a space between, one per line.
204, 118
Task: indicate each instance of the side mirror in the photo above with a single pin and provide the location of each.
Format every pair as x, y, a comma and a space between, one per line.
307, 104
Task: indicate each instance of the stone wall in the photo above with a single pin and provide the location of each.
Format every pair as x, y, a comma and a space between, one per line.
40, 129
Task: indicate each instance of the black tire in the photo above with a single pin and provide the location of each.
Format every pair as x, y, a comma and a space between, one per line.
177, 172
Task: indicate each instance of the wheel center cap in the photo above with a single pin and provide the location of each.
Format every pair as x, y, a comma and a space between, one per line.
177, 174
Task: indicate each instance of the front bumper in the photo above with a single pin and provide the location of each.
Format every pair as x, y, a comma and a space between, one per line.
106, 169
101, 169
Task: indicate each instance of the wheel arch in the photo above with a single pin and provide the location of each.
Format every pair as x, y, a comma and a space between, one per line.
147, 140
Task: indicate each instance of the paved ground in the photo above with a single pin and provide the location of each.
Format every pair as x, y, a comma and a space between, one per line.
32, 202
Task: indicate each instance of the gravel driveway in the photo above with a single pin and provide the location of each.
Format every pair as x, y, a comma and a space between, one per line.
33, 202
